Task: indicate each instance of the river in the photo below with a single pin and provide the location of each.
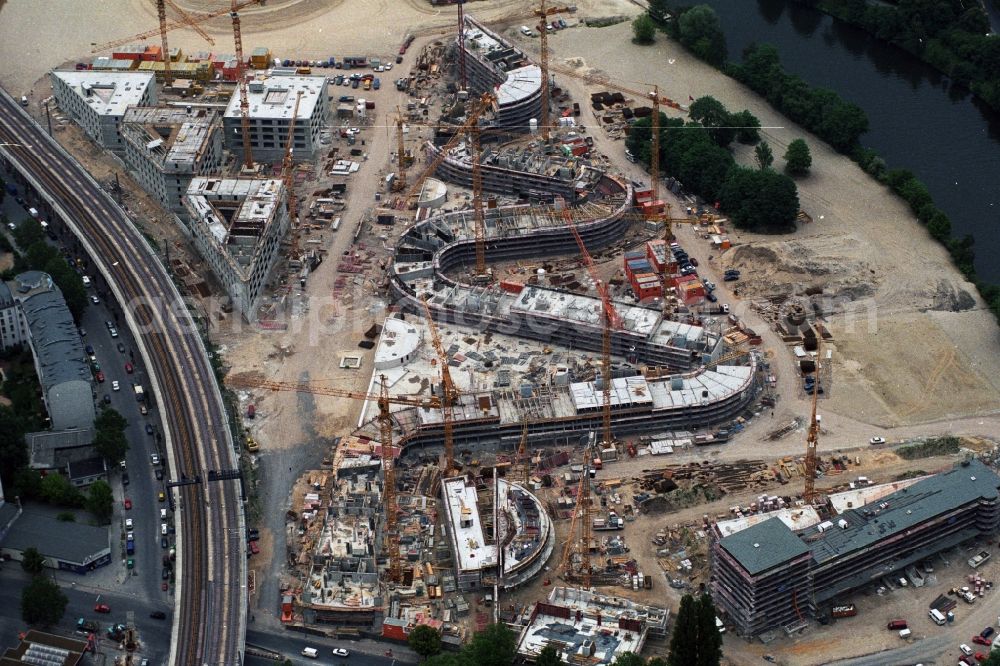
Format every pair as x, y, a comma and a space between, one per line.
917, 120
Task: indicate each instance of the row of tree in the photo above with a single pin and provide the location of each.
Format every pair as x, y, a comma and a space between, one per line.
697, 153
935, 24
38, 255
820, 110
952, 36
42, 602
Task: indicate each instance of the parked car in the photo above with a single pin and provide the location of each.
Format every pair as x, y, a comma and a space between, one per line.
107, 398
102, 608
125, 478
730, 277
129, 368
161, 496
163, 543
159, 473
149, 429
121, 347
165, 573
987, 632
154, 458
980, 640
128, 523
113, 332
341, 652
128, 504
95, 300
115, 386
99, 376
158, 615
876, 440
711, 298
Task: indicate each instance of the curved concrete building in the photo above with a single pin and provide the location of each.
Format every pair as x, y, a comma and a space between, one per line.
494, 65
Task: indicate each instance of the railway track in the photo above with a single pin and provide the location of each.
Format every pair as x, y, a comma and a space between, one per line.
210, 621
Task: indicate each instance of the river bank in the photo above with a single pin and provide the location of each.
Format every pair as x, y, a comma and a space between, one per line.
864, 247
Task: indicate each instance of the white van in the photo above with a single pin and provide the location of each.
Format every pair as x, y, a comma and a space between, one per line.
526, 31
937, 616
312, 653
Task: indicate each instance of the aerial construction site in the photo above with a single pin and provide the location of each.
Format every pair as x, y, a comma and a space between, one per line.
514, 375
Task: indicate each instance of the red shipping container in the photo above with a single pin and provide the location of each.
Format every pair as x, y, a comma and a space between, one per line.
512, 286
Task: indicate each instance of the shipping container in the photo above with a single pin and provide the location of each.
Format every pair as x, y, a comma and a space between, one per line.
849, 610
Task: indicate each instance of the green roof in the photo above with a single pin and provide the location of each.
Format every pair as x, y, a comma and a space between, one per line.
764, 546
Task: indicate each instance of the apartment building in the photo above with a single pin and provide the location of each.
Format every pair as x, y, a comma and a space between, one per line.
165, 147
272, 103
97, 101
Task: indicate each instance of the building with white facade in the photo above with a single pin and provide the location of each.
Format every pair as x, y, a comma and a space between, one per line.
522, 527
165, 147
67, 383
97, 101
237, 225
272, 103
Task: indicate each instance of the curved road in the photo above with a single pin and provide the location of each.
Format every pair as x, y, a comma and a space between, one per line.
210, 604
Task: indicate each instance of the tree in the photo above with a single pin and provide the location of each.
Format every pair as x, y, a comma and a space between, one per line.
710, 113
709, 638
42, 602
699, 30
549, 656
684, 639
992, 660
28, 233
797, 158
763, 155
496, 645
447, 659
109, 435
747, 127
425, 640
629, 659
56, 489
760, 200
100, 501
13, 451
644, 29
32, 561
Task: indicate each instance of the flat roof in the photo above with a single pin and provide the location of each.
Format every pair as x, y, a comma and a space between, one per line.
274, 97
38, 647
68, 542
256, 201
108, 93
521, 83
770, 543
904, 509
461, 505
399, 339
186, 132
572, 619
764, 546
850, 499
795, 518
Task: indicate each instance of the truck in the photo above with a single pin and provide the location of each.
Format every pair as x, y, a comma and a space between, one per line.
609, 523
848, 610
140, 395
87, 626
979, 559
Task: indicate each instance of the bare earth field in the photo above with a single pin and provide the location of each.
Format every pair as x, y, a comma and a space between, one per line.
916, 358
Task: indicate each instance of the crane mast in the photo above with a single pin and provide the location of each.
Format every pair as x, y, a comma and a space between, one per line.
287, 173
812, 438
391, 536
242, 82
461, 45
544, 66
447, 392
161, 12
477, 202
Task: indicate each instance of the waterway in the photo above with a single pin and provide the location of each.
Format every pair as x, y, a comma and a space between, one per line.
917, 119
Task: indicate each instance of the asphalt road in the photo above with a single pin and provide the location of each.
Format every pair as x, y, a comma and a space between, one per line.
143, 485
290, 644
154, 635
211, 599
